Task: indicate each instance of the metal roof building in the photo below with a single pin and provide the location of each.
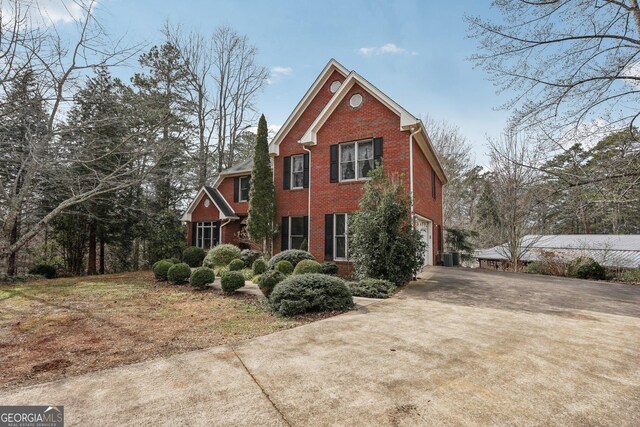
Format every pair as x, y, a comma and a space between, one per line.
610, 250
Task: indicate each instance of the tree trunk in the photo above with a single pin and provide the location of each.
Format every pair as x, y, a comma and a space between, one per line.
11, 262
91, 263
102, 248
135, 265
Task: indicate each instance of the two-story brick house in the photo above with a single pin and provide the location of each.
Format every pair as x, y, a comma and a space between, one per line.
342, 128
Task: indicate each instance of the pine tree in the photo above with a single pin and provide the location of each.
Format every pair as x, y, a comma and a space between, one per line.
262, 210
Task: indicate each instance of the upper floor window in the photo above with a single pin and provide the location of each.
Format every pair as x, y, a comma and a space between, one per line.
434, 192
244, 188
297, 171
356, 160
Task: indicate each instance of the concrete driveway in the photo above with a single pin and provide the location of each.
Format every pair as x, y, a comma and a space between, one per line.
458, 347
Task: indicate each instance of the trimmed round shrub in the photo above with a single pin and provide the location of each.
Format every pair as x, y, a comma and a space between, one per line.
45, 270
329, 268
588, 268
284, 267
231, 281
268, 280
201, 277
259, 266
161, 268
294, 256
310, 293
193, 256
256, 278
249, 256
174, 260
179, 273
307, 266
371, 288
221, 255
236, 265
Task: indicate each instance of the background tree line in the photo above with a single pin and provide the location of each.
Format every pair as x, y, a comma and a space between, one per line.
95, 171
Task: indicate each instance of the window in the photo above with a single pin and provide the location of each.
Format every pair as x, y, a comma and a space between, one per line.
206, 234
297, 171
244, 189
356, 160
340, 231
296, 232
433, 184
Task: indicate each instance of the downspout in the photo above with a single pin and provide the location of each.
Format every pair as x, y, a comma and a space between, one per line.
222, 225
304, 147
413, 132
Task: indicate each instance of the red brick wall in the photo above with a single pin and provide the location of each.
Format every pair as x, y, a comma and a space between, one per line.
226, 189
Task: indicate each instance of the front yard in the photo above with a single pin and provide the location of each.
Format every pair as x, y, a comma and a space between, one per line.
54, 328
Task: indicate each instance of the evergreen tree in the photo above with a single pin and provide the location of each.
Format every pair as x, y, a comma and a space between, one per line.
262, 210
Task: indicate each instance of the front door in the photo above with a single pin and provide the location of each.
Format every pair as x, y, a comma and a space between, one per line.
426, 229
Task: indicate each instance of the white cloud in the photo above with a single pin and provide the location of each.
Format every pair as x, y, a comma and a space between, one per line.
391, 48
282, 71
44, 13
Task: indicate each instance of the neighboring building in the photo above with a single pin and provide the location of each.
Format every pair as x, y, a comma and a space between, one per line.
610, 250
321, 156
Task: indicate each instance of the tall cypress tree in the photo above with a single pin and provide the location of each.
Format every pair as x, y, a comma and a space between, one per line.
262, 210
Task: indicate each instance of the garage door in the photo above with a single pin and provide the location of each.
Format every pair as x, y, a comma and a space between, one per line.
426, 229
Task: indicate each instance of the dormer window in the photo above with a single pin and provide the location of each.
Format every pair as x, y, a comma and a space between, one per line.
244, 189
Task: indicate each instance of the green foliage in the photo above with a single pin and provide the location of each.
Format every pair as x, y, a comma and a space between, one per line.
304, 245
307, 266
268, 280
262, 210
458, 239
382, 243
632, 276
371, 288
247, 273
45, 270
19, 278
534, 268
587, 268
284, 267
201, 277
179, 273
193, 256
249, 256
161, 268
221, 255
48, 254
305, 293
259, 266
329, 268
231, 281
294, 256
236, 265
255, 279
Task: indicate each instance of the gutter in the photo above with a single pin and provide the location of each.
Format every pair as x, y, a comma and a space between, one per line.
413, 132
228, 220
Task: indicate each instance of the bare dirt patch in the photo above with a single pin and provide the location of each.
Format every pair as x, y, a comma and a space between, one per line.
55, 328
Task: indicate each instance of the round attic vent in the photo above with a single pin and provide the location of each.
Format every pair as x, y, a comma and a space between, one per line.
356, 100
335, 86
206, 203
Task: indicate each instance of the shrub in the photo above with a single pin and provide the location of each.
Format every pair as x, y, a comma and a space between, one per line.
632, 276
372, 288
255, 279
174, 260
161, 268
247, 273
587, 268
329, 268
236, 265
44, 270
294, 256
193, 256
221, 255
179, 273
221, 270
534, 267
307, 266
201, 277
285, 267
268, 280
259, 266
232, 281
310, 293
249, 256
304, 245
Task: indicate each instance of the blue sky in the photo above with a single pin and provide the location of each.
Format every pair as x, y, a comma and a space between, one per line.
423, 66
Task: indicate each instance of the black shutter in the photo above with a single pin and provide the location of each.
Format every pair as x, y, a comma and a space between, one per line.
286, 178
236, 188
284, 233
305, 229
333, 163
328, 236
194, 232
377, 151
305, 179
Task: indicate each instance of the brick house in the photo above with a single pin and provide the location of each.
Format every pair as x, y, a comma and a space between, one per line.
321, 156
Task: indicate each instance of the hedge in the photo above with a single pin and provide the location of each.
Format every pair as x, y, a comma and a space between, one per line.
314, 292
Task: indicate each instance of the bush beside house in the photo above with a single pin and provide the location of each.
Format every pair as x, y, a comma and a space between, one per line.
231, 281
307, 266
236, 265
268, 281
294, 256
284, 267
221, 255
201, 277
371, 288
304, 293
193, 256
161, 268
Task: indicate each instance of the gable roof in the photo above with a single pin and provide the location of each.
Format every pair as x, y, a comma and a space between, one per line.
226, 211
243, 168
326, 72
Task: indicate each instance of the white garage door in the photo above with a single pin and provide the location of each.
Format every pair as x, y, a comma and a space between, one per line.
426, 229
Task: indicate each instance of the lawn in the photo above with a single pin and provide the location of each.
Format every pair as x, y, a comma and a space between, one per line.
55, 328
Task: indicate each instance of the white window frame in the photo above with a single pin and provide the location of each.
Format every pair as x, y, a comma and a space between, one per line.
345, 235
248, 179
301, 156
297, 235
200, 227
356, 144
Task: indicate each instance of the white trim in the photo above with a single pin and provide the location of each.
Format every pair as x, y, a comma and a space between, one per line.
428, 260
332, 65
201, 193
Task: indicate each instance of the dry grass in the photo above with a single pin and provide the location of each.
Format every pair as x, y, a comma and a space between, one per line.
54, 328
